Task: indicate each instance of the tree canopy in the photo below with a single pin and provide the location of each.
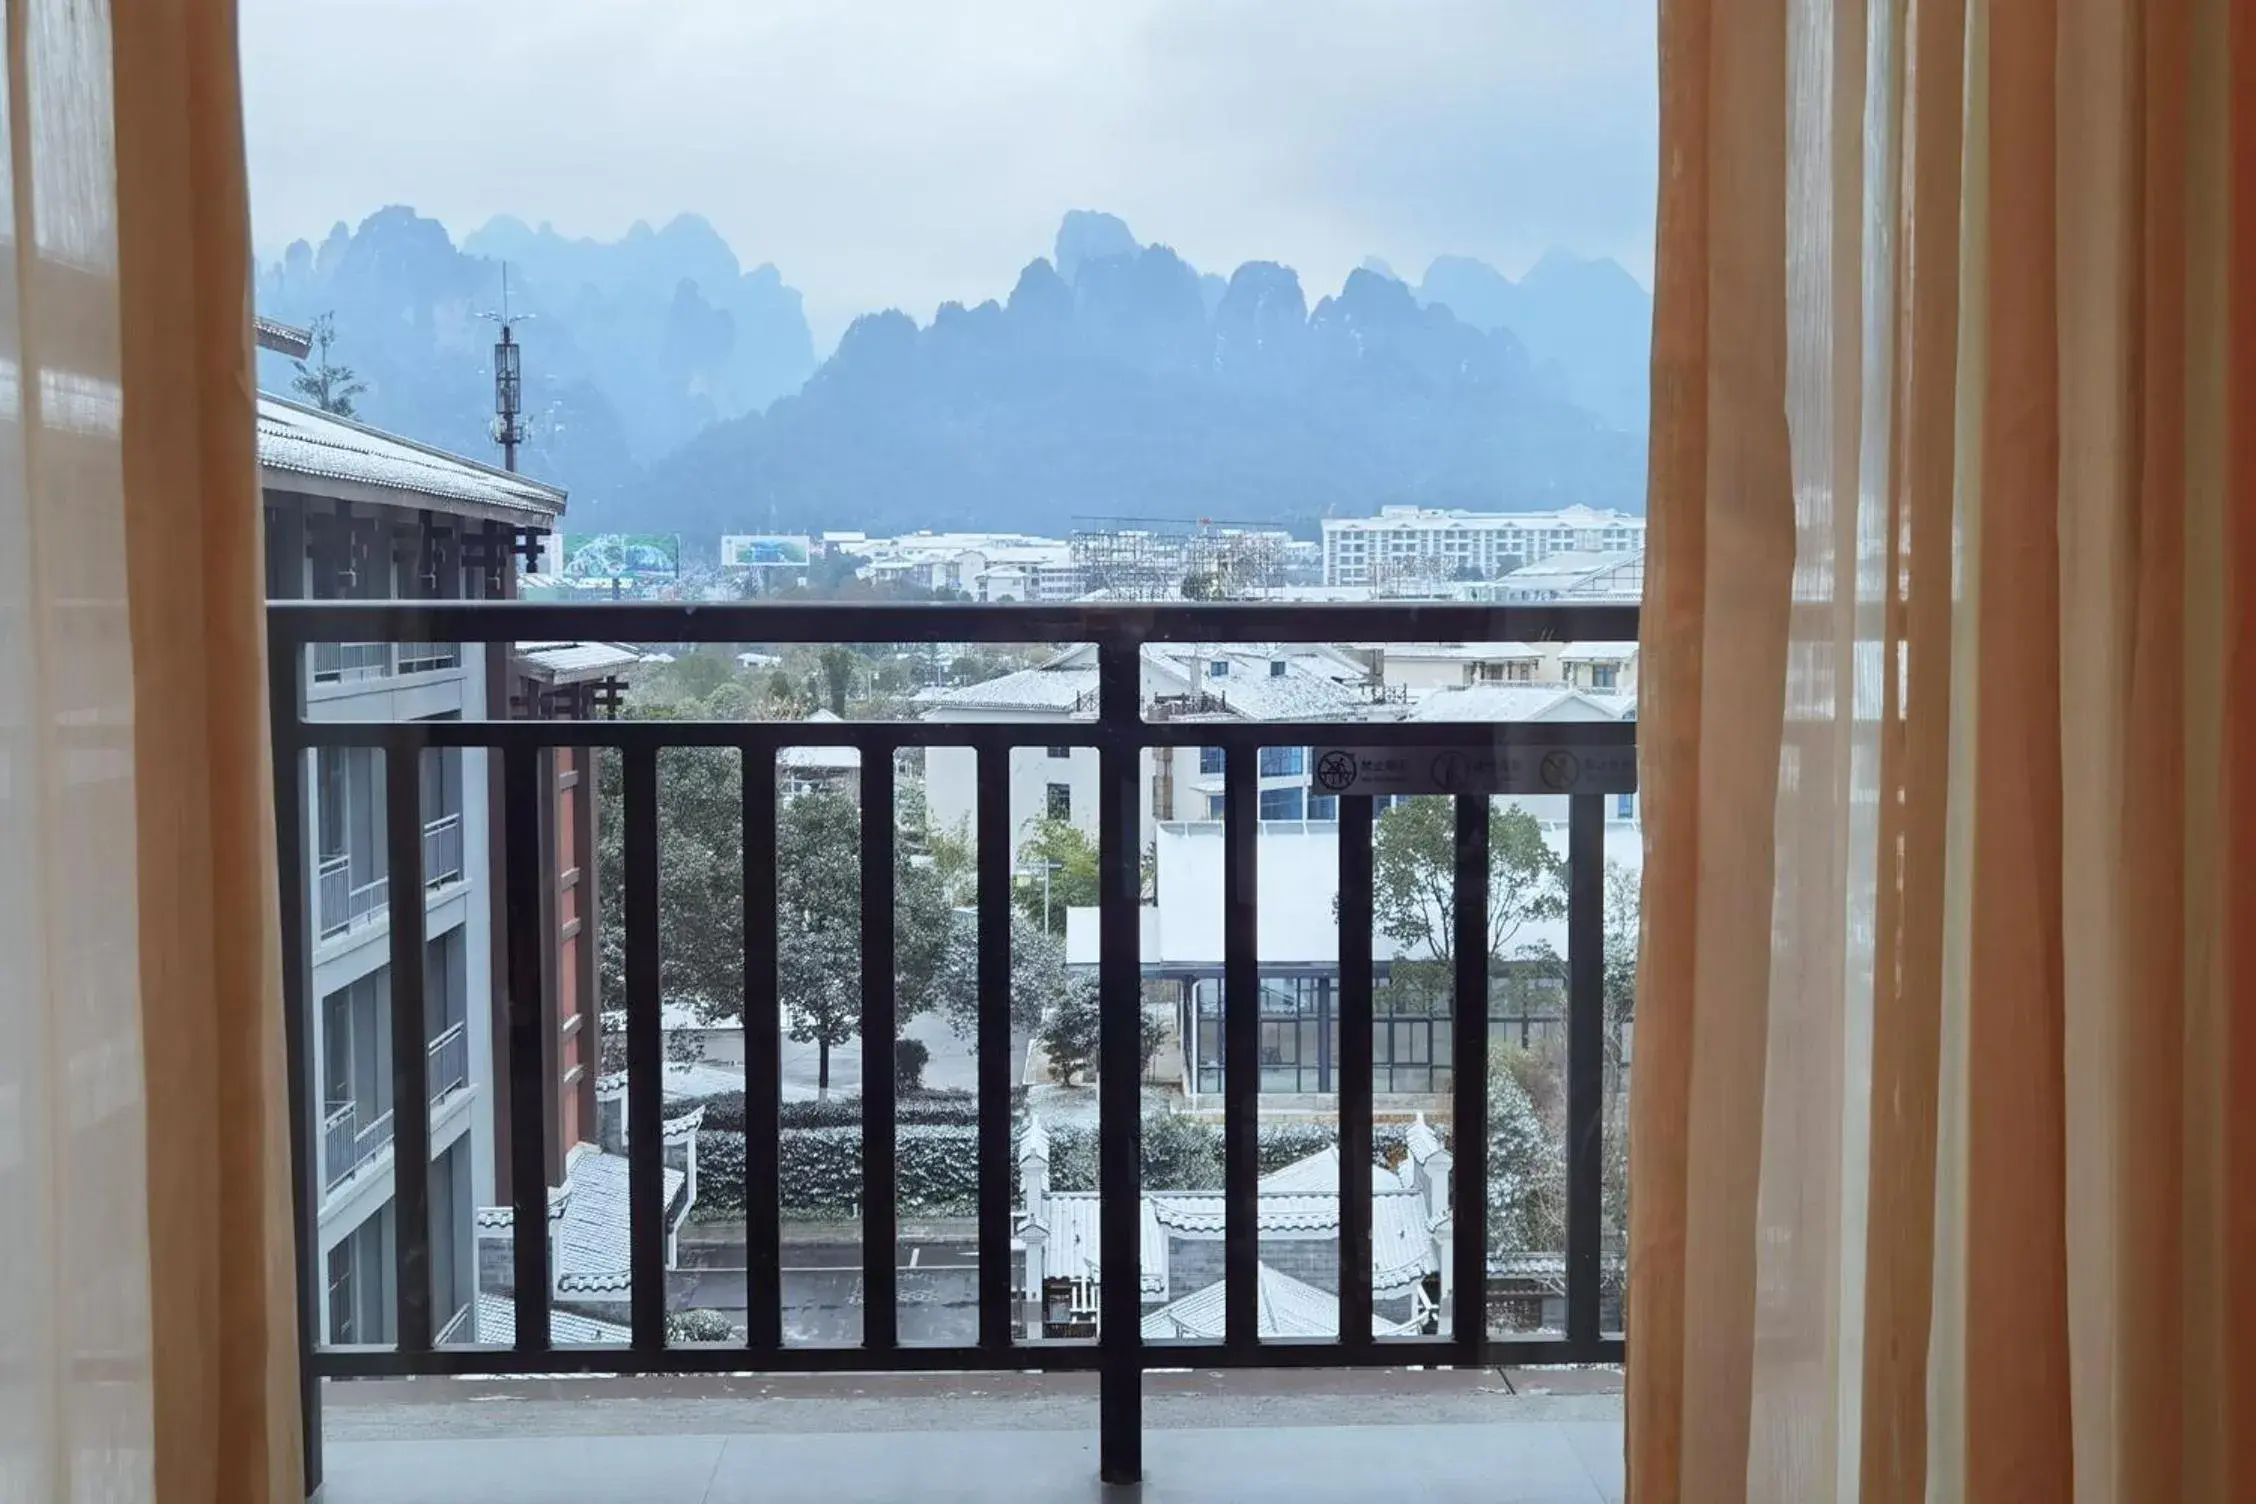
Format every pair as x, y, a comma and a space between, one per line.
1414, 869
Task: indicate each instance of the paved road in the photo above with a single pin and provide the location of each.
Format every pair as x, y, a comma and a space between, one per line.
938, 1298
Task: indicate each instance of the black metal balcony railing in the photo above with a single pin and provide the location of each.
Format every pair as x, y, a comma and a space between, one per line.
1118, 733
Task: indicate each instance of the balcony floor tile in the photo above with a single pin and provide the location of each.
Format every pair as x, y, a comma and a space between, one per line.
1516, 1462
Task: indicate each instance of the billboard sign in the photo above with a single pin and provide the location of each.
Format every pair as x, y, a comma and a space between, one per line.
621, 556
764, 551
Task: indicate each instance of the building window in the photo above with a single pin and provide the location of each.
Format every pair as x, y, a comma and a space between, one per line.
1625, 806
1212, 759
1323, 807
1218, 669
1283, 762
1061, 801
1276, 668
344, 1316
1281, 804
1214, 806
450, 1229
1604, 676
1060, 751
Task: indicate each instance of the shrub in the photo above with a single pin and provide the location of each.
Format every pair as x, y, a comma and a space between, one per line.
725, 1111
698, 1326
819, 1170
1181, 1154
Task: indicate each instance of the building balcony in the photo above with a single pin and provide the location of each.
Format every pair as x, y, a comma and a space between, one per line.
1351, 1239
355, 1135
358, 662
344, 900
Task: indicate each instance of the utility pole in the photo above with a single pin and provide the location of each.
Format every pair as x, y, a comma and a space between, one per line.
509, 387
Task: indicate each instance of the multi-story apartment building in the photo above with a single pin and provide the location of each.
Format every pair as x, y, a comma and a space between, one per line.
1411, 549
355, 513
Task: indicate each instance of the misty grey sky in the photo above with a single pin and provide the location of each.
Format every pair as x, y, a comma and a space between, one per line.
902, 152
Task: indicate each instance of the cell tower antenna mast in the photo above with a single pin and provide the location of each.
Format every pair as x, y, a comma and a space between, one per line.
509, 385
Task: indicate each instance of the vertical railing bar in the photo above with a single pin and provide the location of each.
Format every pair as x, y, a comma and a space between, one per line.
1586, 1003
763, 1060
1241, 1049
1354, 1068
522, 787
1468, 1130
880, 1180
1119, 1091
646, 1164
995, 1059
293, 826
411, 1095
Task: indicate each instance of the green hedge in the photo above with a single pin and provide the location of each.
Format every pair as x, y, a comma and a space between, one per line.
725, 1111
1073, 1151
820, 1170
937, 1165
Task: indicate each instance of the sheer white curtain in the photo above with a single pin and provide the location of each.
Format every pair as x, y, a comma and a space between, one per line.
1944, 1119
74, 1239
146, 1326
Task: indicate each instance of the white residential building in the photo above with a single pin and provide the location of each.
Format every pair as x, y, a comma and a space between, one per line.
1422, 550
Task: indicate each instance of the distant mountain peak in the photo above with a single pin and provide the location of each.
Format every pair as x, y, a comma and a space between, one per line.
1584, 317
1086, 235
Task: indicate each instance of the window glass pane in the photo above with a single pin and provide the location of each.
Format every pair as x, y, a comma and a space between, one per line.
1211, 759
1281, 804
1278, 762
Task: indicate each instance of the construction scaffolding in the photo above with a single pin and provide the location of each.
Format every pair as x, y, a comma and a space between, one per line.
1177, 560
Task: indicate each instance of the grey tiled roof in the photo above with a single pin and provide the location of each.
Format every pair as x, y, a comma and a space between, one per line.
594, 1243
496, 1317
304, 441
1286, 1308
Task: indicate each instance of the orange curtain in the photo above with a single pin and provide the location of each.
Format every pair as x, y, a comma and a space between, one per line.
1944, 1121
146, 1260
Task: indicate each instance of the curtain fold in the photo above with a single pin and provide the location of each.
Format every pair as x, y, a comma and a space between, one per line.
1944, 1111
146, 1264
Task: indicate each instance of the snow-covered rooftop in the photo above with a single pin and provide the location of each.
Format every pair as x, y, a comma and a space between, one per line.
354, 462
569, 662
1053, 689
594, 1243
495, 1318
1566, 568
1300, 1200
1286, 1306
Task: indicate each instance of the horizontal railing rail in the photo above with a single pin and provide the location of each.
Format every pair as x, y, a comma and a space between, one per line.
1591, 762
